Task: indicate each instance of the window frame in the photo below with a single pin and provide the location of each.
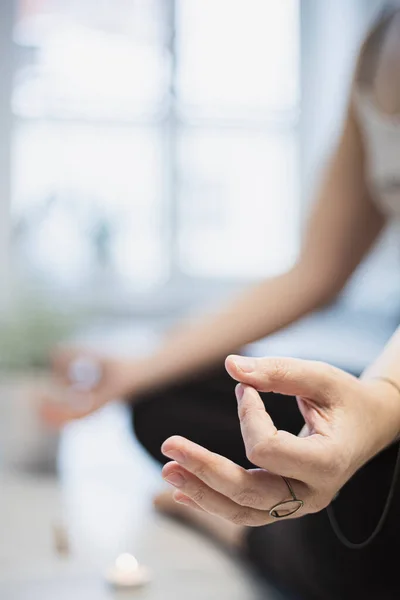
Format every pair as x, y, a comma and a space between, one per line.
180, 289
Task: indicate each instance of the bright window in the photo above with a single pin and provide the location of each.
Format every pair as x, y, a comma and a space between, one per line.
155, 140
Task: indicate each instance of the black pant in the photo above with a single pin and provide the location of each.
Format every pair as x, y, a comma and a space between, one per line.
302, 555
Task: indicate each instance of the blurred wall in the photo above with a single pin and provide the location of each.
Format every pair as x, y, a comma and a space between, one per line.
6, 68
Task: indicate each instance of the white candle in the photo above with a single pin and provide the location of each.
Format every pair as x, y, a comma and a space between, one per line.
127, 573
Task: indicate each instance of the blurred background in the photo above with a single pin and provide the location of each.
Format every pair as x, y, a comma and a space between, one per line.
146, 131
140, 139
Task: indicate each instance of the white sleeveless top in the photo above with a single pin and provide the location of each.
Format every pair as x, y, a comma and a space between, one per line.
382, 139
354, 342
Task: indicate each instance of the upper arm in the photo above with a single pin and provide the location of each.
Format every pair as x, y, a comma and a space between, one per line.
344, 222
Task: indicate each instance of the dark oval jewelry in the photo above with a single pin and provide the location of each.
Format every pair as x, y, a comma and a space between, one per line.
298, 504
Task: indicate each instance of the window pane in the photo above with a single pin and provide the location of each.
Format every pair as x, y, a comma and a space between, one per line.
238, 55
86, 204
91, 59
238, 201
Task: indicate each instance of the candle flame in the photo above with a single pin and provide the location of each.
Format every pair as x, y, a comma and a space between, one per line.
126, 562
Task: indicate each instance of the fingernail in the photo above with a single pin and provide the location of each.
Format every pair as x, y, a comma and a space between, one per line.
239, 391
245, 364
174, 455
175, 479
181, 499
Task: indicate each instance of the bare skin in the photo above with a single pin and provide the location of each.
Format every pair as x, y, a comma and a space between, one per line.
333, 403
349, 421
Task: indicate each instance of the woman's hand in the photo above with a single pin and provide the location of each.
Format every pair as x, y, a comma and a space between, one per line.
66, 400
347, 422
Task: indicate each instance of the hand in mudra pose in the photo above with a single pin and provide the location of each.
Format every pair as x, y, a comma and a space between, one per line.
347, 422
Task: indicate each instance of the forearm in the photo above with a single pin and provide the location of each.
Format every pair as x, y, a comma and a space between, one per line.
262, 310
387, 365
383, 377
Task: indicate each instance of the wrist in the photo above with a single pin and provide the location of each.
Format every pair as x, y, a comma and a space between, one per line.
144, 374
128, 378
387, 395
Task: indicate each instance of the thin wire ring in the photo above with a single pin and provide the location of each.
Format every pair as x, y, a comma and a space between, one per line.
273, 512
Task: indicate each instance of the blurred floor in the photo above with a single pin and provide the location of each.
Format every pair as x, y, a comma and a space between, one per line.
103, 496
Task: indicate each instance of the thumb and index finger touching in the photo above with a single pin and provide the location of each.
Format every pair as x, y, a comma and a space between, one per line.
279, 451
